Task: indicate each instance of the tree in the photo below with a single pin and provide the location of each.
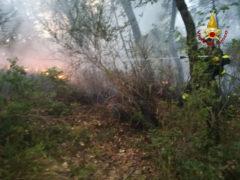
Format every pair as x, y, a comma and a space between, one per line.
171, 44
126, 4
192, 45
81, 28
190, 29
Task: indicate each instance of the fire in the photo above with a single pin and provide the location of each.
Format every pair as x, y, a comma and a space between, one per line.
44, 71
61, 77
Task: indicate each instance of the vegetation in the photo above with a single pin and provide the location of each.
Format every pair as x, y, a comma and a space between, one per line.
25, 138
126, 117
196, 140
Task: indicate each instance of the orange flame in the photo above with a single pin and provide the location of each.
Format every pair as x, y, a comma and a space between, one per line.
39, 70
61, 77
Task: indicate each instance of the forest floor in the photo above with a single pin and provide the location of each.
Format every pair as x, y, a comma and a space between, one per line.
104, 149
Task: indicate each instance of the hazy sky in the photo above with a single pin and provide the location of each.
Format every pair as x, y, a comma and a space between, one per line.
149, 15
33, 48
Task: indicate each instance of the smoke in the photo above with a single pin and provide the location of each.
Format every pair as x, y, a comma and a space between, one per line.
31, 44
28, 42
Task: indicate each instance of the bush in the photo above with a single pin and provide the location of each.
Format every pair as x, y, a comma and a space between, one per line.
191, 146
24, 140
139, 91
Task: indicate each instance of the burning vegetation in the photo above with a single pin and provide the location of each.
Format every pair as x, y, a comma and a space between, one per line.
54, 72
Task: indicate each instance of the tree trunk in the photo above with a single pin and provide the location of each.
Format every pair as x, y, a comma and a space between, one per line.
117, 23
171, 45
191, 34
147, 69
126, 4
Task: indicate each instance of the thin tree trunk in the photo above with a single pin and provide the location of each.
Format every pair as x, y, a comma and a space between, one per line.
147, 71
191, 34
171, 45
146, 64
120, 31
126, 4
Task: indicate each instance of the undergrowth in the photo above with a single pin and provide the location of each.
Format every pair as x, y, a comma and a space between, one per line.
29, 137
200, 141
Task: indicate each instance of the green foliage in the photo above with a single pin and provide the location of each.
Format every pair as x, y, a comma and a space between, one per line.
53, 74
23, 139
55, 83
57, 108
139, 119
188, 148
84, 172
26, 146
224, 8
80, 134
13, 118
14, 83
144, 2
235, 4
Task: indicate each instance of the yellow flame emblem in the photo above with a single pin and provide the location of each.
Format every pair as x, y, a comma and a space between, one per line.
212, 30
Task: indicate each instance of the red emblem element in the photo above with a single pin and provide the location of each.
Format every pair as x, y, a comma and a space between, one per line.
212, 34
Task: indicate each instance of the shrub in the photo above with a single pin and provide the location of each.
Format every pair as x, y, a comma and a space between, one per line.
188, 148
24, 140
